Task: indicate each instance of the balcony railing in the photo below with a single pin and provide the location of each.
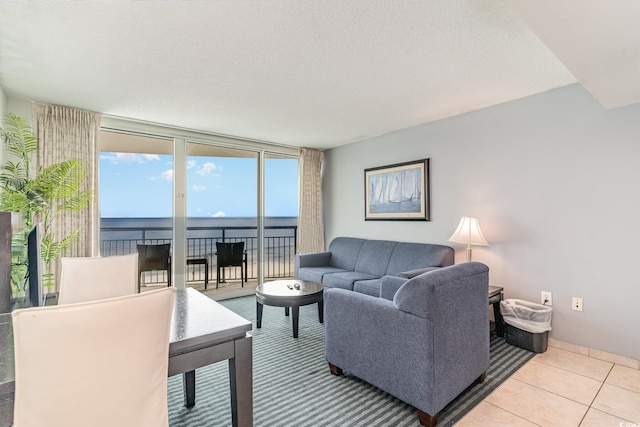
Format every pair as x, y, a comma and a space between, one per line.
279, 247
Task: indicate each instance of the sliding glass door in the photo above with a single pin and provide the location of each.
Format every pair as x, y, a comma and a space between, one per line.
196, 191
281, 215
222, 194
135, 193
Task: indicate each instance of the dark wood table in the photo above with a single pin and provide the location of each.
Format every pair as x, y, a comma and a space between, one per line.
495, 296
202, 332
289, 294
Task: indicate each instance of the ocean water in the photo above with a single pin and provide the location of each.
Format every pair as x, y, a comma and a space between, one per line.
118, 236
196, 227
200, 230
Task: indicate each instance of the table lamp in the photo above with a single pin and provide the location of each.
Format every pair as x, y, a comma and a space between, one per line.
468, 232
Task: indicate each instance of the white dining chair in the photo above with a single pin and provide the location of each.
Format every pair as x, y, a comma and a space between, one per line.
92, 278
97, 363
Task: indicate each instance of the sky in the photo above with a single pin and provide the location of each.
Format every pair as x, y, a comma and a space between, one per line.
140, 186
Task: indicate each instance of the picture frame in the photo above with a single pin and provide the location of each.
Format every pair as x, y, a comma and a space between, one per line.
398, 192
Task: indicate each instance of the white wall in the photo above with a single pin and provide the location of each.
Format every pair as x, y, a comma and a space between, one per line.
553, 179
20, 108
3, 102
3, 109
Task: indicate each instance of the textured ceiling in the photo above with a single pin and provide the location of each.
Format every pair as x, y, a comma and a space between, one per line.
598, 41
300, 72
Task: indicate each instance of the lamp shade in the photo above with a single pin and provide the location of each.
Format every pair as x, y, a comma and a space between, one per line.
468, 232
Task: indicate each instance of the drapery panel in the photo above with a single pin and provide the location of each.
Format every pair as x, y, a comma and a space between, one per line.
310, 219
63, 134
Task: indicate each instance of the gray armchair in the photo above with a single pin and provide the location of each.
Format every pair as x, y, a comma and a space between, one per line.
424, 347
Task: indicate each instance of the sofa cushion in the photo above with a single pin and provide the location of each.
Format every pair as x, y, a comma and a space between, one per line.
315, 274
369, 287
374, 256
344, 280
409, 256
344, 252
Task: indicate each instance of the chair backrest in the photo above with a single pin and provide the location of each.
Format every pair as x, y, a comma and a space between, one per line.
98, 363
229, 254
154, 257
92, 278
432, 295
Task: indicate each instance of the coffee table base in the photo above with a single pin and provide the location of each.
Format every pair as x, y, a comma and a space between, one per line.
295, 309
290, 294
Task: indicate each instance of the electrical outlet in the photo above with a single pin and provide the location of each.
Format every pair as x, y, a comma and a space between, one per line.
545, 298
576, 304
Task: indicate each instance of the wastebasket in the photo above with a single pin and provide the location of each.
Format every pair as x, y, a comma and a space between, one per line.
527, 324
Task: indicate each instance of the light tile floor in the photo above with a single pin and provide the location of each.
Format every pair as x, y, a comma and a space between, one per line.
561, 388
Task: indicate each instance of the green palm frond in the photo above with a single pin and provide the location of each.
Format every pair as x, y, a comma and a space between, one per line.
18, 137
54, 189
51, 248
13, 176
60, 181
77, 202
11, 201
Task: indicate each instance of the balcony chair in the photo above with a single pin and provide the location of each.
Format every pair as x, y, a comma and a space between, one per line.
231, 255
92, 278
155, 258
66, 374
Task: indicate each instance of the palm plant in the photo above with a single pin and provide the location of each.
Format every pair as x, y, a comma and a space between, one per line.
44, 196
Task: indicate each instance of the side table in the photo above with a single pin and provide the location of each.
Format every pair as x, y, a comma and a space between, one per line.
495, 296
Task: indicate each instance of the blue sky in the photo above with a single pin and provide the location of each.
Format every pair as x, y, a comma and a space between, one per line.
140, 185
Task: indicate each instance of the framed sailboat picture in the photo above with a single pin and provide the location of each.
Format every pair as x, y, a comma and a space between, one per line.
397, 192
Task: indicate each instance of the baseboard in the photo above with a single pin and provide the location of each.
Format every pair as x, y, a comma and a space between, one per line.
596, 354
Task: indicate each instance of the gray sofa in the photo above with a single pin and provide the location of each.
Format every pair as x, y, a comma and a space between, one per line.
360, 265
424, 347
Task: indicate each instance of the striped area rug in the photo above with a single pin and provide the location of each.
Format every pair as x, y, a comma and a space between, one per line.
292, 385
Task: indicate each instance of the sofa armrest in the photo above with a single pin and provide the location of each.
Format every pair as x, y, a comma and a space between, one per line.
315, 259
413, 273
389, 285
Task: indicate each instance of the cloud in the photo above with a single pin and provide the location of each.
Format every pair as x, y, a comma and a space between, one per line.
168, 175
198, 188
207, 168
191, 164
119, 158
218, 214
129, 158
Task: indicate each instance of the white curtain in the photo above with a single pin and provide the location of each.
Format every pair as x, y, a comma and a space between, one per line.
310, 219
63, 134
